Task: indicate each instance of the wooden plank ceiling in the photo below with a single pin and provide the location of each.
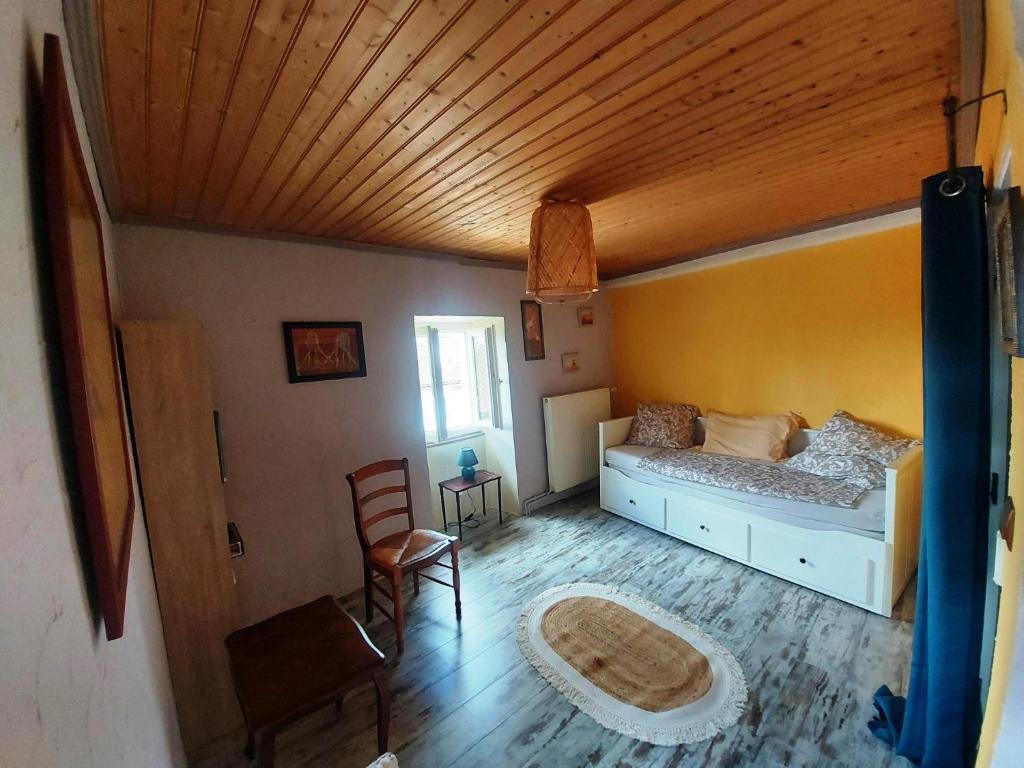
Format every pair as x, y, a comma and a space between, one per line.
440, 124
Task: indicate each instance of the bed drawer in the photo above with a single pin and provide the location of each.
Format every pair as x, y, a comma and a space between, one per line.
843, 573
707, 527
633, 499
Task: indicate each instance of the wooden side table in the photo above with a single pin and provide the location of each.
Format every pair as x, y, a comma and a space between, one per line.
459, 485
296, 662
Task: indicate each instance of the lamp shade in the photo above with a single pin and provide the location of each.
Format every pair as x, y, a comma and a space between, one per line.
563, 262
467, 458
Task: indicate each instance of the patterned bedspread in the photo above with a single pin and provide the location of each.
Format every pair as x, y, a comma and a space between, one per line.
738, 474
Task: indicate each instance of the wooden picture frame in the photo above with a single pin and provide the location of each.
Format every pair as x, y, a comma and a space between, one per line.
533, 329
1006, 238
323, 351
585, 316
89, 346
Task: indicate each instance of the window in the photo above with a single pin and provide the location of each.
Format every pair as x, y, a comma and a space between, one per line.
458, 385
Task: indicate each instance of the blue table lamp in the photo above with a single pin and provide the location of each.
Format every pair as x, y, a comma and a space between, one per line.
467, 460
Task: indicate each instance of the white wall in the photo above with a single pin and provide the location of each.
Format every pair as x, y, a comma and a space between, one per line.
67, 696
495, 448
288, 446
441, 466
501, 459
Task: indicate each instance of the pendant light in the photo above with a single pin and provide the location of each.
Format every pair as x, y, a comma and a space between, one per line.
563, 263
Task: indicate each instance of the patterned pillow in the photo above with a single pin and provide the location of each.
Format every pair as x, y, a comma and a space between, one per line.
850, 450
663, 425
856, 470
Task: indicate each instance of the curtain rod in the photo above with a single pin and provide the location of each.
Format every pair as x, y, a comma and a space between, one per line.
954, 184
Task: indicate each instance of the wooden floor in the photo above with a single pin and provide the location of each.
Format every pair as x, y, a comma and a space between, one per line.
464, 696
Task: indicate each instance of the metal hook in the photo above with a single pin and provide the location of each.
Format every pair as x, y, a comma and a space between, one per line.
949, 184
954, 184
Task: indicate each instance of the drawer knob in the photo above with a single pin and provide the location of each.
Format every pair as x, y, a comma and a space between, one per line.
632, 502
705, 528
803, 560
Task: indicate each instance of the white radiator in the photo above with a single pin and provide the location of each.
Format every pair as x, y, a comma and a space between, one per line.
570, 433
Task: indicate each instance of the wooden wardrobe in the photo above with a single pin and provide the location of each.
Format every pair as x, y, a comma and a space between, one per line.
183, 498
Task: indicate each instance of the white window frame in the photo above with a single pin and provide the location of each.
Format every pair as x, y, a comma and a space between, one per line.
432, 331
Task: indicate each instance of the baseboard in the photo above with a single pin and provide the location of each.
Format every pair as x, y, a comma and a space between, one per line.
542, 500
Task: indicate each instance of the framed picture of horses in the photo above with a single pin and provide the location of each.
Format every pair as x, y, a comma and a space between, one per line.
321, 351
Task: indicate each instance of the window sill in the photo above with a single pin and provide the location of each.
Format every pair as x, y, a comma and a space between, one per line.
457, 438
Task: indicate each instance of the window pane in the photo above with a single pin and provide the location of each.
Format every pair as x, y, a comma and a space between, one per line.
481, 379
455, 377
426, 387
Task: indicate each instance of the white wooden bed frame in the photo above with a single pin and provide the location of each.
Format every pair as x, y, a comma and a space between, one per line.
866, 572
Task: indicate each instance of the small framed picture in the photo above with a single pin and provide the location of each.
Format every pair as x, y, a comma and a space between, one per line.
321, 351
1006, 234
533, 330
585, 316
571, 362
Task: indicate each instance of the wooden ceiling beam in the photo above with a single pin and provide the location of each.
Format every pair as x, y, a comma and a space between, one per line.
793, 183
971, 24
593, 16
124, 32
754, 142
300, 116
222, 44
667, 95
438, 124
703, 121
388, 86
561, 104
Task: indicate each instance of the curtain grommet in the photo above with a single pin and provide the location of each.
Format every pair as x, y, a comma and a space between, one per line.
952, 186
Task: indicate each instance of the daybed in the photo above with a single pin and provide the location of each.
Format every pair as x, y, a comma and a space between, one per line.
864, 555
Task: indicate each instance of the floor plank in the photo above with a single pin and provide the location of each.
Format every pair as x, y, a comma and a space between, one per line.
464, 696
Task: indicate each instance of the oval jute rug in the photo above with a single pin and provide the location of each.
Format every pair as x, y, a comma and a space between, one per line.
631, 665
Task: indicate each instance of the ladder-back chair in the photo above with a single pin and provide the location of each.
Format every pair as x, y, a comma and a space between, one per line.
407, 551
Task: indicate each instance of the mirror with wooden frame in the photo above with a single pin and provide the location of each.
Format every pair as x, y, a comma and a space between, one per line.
90, 353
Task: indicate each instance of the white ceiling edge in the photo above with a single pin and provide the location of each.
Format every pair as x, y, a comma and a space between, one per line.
834, 234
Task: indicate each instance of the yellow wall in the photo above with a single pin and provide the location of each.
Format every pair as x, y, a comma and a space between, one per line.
999, 133
811, 330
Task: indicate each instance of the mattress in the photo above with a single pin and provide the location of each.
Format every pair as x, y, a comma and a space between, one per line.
866, 518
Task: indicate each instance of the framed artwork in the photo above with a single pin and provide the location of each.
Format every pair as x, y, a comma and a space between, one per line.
571, 362
1006, 235
533, 330
89, 346
321, 351
585, 316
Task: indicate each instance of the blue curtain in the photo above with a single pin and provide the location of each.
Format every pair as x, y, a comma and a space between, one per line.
938, 723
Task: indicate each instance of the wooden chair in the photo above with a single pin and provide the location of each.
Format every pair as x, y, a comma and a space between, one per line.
407, 551
292, 664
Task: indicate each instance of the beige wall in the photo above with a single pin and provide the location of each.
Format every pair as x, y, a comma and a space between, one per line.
67, 696
288, 446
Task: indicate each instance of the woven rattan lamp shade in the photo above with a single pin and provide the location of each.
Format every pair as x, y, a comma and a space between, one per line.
563, 263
